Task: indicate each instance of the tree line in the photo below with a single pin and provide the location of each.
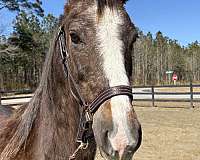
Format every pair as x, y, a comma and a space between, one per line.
153, 57
22, 53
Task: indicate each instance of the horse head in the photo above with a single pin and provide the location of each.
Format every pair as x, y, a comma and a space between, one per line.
99, 40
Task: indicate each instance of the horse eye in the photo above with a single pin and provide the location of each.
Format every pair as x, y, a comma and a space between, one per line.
75, 38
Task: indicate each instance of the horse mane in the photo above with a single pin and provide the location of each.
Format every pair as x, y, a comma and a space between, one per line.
16, 129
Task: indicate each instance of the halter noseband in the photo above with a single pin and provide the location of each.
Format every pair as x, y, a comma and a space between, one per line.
88, 109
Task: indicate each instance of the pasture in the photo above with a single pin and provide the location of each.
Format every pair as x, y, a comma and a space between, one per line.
169, 134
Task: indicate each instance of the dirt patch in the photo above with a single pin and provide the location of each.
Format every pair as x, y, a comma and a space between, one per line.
169, 134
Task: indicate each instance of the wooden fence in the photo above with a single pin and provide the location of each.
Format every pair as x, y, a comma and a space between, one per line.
14, 93
153, 93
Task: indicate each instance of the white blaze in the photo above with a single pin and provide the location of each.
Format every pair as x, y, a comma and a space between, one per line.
111, 49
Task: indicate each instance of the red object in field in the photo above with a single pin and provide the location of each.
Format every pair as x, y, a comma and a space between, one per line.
174, 77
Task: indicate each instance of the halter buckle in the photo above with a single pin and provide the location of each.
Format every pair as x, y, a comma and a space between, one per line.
85, 127
88, 116
82, 146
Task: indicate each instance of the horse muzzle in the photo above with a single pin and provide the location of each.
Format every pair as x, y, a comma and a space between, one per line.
118, 137
124, 142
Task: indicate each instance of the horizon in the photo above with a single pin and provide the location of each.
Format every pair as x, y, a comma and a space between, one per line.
177, 20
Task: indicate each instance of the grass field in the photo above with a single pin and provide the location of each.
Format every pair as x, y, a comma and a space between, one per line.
169, 134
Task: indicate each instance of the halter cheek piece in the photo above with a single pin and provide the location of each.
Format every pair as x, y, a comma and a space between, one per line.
88, 109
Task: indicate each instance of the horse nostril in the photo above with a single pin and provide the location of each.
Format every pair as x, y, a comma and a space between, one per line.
125, 145
139, 138
107, 142
119, 142
115, 153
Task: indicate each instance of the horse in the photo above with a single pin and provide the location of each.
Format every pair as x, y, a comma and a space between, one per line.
84, 98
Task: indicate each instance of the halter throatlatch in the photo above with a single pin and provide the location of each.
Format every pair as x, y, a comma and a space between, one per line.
88, 109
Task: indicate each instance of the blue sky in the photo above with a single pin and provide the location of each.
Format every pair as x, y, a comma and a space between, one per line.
176, 19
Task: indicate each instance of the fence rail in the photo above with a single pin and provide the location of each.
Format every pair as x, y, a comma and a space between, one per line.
151, 93
154, 93
168, 86
14, 92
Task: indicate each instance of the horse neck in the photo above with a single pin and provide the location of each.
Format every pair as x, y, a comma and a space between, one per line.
59, 113
47, 127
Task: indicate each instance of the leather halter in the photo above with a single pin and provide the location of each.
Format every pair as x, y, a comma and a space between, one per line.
88, 109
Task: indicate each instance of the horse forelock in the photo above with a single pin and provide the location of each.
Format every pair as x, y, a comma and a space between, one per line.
101, 5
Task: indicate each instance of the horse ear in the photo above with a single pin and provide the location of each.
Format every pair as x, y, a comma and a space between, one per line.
124, 1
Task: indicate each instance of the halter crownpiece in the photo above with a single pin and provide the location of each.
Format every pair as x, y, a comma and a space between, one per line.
88, 109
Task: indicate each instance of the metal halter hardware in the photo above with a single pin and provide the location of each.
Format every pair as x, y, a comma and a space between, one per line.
85, 126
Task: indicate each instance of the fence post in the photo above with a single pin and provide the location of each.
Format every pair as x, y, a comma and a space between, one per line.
153, 97
191, 95
0, 97
1, 87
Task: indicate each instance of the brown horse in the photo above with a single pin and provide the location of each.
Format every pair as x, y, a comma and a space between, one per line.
99, 40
